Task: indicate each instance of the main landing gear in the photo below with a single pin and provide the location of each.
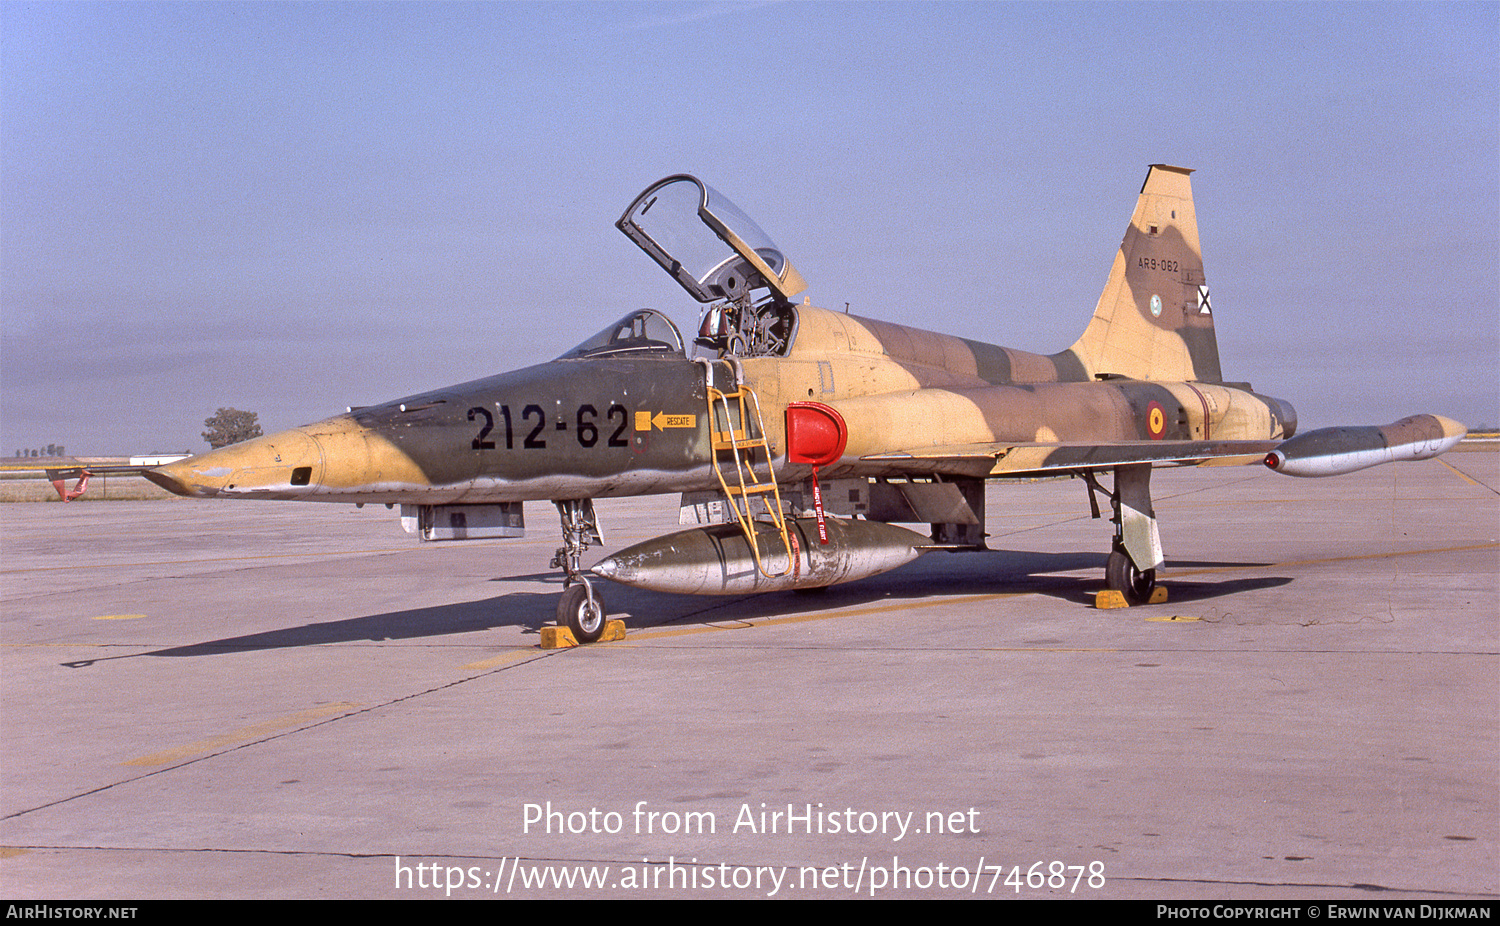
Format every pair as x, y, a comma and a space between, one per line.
1136, 552
581, 608
1121, 575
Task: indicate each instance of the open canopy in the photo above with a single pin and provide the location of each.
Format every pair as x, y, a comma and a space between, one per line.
710, 247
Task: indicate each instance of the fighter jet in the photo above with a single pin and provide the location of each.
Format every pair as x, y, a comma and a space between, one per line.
800, 438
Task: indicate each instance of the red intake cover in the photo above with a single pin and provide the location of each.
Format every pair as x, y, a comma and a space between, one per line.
815, 434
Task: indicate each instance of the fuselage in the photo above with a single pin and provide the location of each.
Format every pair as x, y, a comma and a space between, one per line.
638, 423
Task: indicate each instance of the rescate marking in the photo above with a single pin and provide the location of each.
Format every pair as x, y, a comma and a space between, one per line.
662, 421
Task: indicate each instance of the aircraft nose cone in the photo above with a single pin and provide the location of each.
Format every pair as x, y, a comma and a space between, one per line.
175, 478
282, 465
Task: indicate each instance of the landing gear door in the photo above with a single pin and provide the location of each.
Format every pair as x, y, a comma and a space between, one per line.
711, 248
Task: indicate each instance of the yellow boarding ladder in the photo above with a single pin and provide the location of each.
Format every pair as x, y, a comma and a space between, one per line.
737, 431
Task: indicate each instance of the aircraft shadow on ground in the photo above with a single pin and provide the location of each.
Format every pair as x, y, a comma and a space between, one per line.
969, 573
988, 572
528, 610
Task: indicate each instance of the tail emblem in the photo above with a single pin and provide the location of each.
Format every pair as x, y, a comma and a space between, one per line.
1204, 308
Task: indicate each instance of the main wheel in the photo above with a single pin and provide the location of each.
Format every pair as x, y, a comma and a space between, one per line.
574, 613
1121, 575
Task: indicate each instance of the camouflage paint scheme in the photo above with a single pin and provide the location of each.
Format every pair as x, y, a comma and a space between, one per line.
901, 390
1141, 386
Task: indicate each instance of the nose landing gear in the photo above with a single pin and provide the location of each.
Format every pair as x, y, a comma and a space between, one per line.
581, 608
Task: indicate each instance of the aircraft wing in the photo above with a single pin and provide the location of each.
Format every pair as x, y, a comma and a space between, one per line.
1324, 452
1052, 459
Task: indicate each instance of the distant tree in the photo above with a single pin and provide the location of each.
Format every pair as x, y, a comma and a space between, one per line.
230, 426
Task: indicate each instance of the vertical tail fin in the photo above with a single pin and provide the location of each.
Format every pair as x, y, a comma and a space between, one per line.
1154, 320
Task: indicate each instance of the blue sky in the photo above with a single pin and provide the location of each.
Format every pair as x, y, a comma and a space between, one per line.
291, 208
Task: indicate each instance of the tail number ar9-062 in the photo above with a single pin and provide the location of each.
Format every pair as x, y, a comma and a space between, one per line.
586, 429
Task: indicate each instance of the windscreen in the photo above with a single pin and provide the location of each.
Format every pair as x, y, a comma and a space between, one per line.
646, 331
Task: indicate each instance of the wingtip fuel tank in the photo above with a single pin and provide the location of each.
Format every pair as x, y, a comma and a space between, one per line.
1336, 451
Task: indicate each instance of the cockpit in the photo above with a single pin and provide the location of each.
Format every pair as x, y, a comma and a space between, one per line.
643, 332
718, 255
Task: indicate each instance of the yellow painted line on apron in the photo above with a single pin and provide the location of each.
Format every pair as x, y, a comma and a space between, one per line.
743, 623
239, 559
1332, 559
749, 623
1460, 473
501, 659
119, 617
244, 734
680, 632
56, 645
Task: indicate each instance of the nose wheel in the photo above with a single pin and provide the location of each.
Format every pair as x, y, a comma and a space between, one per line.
580, 609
